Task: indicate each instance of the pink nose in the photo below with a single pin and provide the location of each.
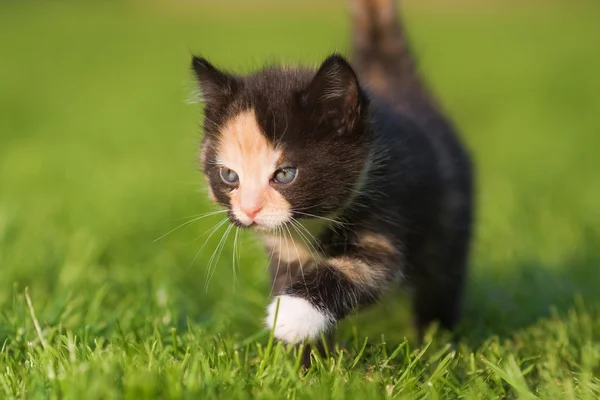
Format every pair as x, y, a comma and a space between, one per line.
251, 211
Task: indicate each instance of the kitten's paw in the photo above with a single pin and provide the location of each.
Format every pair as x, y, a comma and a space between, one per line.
297, 319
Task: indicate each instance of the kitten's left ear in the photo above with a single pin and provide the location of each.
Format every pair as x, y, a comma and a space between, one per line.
216, 87
336, 94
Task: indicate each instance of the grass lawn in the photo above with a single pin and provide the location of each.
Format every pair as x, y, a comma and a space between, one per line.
98, 155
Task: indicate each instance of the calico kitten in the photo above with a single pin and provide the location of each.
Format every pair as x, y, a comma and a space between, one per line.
351, 174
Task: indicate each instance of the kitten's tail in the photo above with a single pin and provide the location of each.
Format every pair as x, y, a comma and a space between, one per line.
380, 49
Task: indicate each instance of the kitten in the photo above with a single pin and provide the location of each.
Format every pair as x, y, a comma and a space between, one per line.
353, 176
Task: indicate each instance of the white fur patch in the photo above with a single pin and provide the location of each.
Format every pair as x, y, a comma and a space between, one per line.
297, 319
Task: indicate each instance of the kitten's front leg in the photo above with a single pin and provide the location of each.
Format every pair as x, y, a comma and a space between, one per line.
320, 298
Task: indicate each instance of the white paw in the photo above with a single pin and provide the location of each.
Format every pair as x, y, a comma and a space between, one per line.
297, 319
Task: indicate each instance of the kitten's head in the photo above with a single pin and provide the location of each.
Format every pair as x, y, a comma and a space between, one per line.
283, 143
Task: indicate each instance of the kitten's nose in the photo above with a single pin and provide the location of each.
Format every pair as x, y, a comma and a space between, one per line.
251, 201
251, 210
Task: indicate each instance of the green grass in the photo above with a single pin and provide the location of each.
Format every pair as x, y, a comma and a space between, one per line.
98, 159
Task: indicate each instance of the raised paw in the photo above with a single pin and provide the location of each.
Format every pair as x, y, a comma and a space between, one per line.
297, 319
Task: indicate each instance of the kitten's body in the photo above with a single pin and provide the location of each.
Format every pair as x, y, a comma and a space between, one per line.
382, 193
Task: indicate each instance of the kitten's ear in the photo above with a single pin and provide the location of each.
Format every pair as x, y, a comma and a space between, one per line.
216, 87
336, 93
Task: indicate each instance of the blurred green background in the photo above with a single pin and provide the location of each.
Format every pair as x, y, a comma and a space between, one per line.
98, 158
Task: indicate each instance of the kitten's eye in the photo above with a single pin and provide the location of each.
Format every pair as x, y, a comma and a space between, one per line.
285, 175
229, 176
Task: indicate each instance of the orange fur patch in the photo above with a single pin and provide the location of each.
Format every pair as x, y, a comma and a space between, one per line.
243, 148
372, 274
359, 271
377, 243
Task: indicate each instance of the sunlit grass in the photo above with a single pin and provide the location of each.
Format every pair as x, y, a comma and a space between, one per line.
98, 156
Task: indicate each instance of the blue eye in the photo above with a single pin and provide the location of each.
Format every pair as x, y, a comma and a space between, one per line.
229, 176
285, 175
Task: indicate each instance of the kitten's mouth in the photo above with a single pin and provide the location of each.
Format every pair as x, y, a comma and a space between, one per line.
263, 224
252, 225
264, 228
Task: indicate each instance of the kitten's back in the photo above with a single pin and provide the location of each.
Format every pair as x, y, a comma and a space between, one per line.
386, 68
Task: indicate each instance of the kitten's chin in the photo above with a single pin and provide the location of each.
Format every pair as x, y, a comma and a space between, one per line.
266, 229
263, 229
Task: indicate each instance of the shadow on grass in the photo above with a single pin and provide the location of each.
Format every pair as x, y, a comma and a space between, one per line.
502, 306
500, 301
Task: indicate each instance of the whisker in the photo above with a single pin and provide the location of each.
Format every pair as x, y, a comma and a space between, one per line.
222, 248
319, 217
297, 255
233, 257
195, 215
220, 223
271, 253
310, 207
299, 224
217, 253
189, 222
279, 231
305, 239
238, 256
308, 245
212, 232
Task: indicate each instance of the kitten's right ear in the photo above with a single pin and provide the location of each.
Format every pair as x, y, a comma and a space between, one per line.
216, 87
335, 92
